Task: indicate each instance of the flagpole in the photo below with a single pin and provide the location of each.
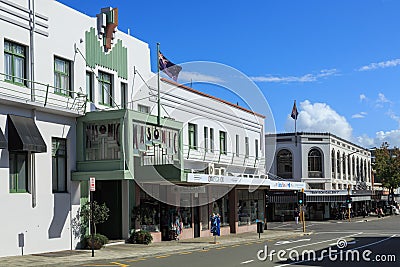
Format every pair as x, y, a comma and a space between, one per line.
158, 86
295, 125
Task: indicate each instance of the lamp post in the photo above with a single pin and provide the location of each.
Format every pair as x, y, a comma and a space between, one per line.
349, 204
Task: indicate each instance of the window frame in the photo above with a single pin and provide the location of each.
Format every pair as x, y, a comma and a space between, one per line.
237, 144
55, 157
192, 136
141, 108
284, 159
223, 148
205, 135
16, 189
90, 90
14, 79
212, 140
60, 75
246, 147
124, 95
101, 82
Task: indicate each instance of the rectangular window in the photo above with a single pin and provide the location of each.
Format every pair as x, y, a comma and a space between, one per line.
144, 109
206, 139
15, 62
222, 142
211, 139
18, 172
59, 164
105, 88
89, 86
62, 76
192, 136
237, 145
256, 147
124, 95
247, 148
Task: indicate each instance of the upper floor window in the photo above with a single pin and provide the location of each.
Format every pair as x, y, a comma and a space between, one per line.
344, 164
246, 147
18, 172
15, 62
237, 145
89, 86
222, 142
144, 109
212, 139
205, 139
315, 163
62, 76
124, 95
59, 164
333, 161
285, 164
192, 131
338, 162
256, 148
105, 88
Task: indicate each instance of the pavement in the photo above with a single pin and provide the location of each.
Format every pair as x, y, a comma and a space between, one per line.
118, 250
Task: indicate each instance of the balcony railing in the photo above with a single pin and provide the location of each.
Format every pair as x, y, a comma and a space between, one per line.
227, 158
45, 95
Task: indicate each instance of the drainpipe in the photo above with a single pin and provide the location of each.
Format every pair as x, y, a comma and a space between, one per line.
33, 170
32, 46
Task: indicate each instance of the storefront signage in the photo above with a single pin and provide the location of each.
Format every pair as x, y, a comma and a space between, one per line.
189, 189
325, 192
216, 179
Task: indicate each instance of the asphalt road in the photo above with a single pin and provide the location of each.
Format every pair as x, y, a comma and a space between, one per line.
357, 243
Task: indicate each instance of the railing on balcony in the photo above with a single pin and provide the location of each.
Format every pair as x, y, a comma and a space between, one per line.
45, 95
227, 158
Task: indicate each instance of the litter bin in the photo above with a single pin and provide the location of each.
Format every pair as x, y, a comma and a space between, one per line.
282, 217
260, 228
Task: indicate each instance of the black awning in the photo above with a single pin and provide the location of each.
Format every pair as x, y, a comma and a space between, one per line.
3, 142
24, 135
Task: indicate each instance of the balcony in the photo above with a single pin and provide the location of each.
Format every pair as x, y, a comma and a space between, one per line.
41, 96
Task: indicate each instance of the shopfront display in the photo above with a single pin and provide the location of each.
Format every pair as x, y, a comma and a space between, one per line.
250, 206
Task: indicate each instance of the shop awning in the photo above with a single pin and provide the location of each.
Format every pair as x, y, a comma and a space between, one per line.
3, 142
24, 135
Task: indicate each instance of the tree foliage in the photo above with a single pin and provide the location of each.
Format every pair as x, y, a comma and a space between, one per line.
100, 213
387, 166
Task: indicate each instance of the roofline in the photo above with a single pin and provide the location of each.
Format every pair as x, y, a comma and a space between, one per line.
212, 97
315, 133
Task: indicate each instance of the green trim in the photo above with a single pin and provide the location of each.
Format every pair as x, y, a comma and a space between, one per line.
116, 59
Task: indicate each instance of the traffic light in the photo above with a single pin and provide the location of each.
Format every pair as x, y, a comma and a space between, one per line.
301, 198
348, 199
266, 200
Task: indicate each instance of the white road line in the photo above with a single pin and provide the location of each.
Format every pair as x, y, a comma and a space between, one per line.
245, 262
290, 241
329, 240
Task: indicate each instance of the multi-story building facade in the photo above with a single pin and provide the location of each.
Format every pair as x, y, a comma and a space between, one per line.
73, 107
330, 166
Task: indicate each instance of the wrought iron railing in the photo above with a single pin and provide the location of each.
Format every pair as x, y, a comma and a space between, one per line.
28, 91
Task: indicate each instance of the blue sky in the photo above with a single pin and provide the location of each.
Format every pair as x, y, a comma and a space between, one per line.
340, 59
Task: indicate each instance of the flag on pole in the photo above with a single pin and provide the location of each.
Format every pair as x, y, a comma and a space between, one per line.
168, 67
295, 113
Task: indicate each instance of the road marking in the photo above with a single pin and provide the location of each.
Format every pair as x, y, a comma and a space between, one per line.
185, 253
108, 265
135, 260
163, 256
245, 262
120, 264
220, 248
234, 246
290, 241
329, 240
249, 243
348, 243
204, 250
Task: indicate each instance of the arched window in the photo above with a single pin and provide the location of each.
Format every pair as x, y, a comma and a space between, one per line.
333, 162
348, 165
354, 167
314, 163
358, 169
285, 164
338, 163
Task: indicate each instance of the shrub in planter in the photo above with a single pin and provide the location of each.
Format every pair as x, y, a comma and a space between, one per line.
140, 237
99, 241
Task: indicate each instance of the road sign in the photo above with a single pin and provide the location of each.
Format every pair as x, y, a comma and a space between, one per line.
92, 184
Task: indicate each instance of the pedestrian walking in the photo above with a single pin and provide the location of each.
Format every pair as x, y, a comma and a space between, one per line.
296, 215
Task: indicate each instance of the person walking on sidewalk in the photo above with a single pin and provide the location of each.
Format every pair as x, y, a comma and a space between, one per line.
296, 215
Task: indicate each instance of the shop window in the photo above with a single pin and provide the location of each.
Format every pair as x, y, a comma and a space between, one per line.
285, 164
149, 213
250, 206
185, 213
15, 63
89, 86
62, 77
59, 165
205, 217
18, 165
105, 88
192, 128
221, 207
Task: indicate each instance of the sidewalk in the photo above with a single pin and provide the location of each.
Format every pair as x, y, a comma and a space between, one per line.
131, 251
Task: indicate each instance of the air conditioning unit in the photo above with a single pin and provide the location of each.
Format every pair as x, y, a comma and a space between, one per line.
210, 168
221, 171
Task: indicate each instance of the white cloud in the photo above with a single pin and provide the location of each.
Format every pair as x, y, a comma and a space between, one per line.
381, 100
392, 137
363, 97
189, 76
287, 79
360, 115
320, 117
381, 65
394, 117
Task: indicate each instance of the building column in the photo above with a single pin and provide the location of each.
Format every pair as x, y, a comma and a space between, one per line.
233, 211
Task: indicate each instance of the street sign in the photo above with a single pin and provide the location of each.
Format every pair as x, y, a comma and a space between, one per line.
92, 184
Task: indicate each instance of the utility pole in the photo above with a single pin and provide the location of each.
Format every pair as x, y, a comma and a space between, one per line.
302, 211
349, 202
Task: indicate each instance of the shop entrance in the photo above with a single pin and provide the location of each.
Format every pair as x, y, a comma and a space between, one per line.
109, 192
196, 218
